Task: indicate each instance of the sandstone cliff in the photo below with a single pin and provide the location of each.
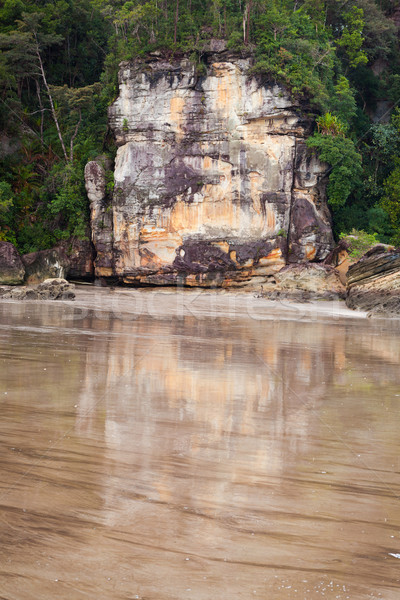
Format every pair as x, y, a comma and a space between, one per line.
213, 182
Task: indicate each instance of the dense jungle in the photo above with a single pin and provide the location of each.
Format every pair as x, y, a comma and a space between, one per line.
58, 74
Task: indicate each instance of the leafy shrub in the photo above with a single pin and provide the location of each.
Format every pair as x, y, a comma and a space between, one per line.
344, 160
391, 201
360, 242
329, 124
7, 233
68, 201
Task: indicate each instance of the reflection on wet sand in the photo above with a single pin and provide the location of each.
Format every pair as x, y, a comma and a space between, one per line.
197, 458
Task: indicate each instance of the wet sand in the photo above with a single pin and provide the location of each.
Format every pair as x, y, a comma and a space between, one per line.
198, 445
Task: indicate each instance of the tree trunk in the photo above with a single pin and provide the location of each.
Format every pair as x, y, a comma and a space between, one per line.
176, 20
53, 110
71, 144
249, 6
41, 109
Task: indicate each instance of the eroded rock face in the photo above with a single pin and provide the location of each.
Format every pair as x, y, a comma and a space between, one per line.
340, 259
373, 283
12, 271
213, 181
80, 255
45, 264
101, 217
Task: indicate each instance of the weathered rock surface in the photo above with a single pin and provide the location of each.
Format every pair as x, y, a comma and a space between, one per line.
374, 283
45, 264
340, 259
12, 270
101, 217
303, 282
71, 258
80, 257
213, 182
50, 289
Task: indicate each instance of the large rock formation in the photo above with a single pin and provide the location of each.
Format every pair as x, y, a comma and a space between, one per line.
213, 182
373, 283
72, 259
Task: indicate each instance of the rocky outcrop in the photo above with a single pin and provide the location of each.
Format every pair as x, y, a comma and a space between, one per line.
101, 216
50, 289
374, 283
214, 184
72, 259
12, 270
340, 259
303, 282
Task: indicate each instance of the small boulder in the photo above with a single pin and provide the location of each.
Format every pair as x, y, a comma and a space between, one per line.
12, 270
56, 289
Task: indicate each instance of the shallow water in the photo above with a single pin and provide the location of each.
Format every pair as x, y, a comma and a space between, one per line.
196, 457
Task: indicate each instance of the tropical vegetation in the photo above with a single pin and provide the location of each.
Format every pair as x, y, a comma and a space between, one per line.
58, 73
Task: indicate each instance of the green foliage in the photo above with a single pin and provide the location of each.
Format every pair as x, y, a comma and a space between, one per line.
69, 203
329, 124
351, 40
360, 242
391, 200
379, 223
109, 181
344, 161
343, 102
379, 30
6, 217
293, 50
6, 197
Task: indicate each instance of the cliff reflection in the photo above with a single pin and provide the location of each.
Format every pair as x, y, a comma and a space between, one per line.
149, 457
180, 395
